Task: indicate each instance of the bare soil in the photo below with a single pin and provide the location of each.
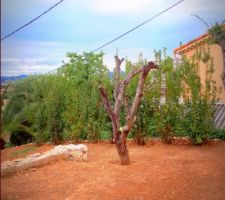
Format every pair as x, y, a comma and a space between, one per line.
156, 172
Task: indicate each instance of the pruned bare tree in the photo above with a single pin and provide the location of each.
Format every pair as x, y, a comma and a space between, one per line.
120, 99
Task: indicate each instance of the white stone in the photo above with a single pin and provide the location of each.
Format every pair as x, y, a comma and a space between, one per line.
72, 147
67, 152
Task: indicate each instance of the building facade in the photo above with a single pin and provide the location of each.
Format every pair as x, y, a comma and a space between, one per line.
215, 50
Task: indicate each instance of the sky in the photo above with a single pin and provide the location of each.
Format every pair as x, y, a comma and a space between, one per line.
83, 25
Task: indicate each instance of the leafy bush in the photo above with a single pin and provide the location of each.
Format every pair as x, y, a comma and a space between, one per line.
67, 105
176, 101
218, 133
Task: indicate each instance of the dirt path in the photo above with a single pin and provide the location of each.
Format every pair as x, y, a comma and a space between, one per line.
156, 172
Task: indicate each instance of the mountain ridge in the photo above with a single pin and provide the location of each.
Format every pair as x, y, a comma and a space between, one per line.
12, 78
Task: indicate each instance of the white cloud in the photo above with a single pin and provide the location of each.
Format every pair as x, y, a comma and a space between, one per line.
28, 69
127, 7
115, 17
32, 57
29, 57
131, 54
122, 6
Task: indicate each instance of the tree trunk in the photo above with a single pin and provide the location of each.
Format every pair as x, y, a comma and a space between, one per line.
122, 150
124, 158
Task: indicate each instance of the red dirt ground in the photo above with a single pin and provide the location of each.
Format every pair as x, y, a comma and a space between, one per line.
156, 172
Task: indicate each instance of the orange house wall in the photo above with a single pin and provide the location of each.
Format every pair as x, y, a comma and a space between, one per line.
216, 54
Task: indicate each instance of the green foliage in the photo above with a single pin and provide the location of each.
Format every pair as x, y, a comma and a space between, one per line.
218, 133
200, 104
217, 31
195, 116
168, 91
176, 102
84, 115
67, 105
18, 113
41, 137
8, 145
106, 135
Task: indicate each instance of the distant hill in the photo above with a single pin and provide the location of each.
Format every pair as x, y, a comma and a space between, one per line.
12, 78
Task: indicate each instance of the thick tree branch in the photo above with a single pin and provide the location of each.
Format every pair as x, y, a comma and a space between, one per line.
108, 107
126, 104
117, 75
123, 86
105, 100
139, 94
131, 75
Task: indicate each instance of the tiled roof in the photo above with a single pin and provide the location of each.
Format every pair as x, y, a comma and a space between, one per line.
192, 44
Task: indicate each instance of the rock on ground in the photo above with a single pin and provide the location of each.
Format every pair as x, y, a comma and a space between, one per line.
66, 152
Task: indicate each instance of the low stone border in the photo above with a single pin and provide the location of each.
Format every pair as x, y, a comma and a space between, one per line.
66, 152
175, 141
158, 140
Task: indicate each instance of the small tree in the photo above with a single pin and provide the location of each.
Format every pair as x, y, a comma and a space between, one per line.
120, 133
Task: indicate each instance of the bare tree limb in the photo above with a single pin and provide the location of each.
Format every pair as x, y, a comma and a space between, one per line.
139, 93
123, 86
105, 100
117, 75
126, 104
108, 107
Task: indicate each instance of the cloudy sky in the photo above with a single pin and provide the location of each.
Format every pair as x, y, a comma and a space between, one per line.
84, 25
